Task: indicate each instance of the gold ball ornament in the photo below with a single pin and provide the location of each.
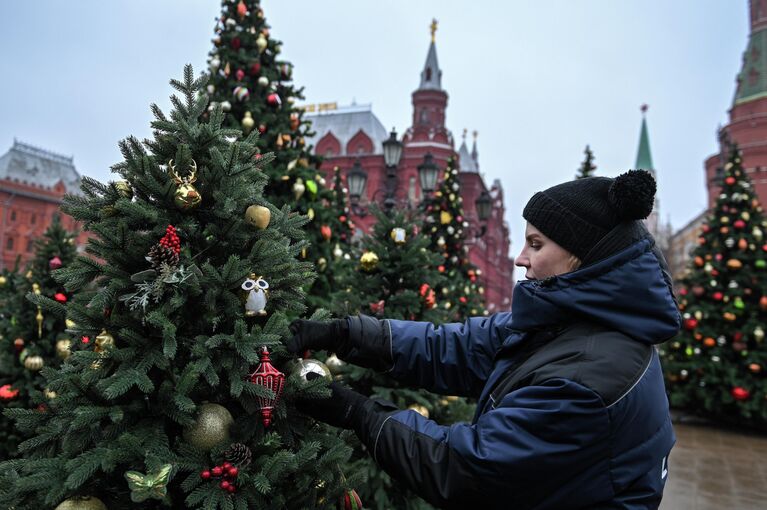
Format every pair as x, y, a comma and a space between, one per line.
422, 410
261, 43
49, 394
69, 323
211, 427
3, 281
369, 261
334, 364
304, 367
445, 217
124, 189
62, 348
258, 216
34, 363
248, 122
338, 252
758, 334
87, 503
734, 264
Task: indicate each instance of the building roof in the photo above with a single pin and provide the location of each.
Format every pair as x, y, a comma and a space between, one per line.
752, 79
466, 161
644, 158
38, 167
345, 122
431, 76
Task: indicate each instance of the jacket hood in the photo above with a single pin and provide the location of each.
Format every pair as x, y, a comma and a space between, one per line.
629, 292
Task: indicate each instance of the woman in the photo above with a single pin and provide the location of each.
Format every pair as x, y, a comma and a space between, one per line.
572, 411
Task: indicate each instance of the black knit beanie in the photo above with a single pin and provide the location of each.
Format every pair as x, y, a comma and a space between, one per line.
578, 214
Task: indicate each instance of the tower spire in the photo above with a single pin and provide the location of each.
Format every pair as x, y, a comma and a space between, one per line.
431, 76
644, 157
474, 153
752, 79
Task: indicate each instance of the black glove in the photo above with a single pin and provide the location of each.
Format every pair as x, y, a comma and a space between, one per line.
344, 408
319, 336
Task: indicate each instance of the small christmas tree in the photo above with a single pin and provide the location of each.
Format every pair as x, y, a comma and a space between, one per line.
180, 398
717, 365
461, 295
36, 339
587, 167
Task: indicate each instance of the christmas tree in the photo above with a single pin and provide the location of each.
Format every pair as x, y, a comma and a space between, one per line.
38, 339
179, 399
397, 278
717, 365
460, 295
587, 167
254, 85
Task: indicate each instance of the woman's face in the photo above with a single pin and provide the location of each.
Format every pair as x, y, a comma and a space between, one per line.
542, 257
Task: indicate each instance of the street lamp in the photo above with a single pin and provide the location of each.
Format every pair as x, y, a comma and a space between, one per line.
484, 205
392, 151
427, 174
357, 178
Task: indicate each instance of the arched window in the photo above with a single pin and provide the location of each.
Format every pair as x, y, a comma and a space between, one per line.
9, 244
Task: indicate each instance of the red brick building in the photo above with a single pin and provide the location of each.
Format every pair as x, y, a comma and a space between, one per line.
33, 182
352, 137
748, 114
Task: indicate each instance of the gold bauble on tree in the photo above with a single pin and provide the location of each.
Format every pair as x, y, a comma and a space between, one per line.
211, 427
34, 363
87, 503
3, 280
304, 367
248, 122
334, 364
62, 348
369, 261
104, 342
258, 216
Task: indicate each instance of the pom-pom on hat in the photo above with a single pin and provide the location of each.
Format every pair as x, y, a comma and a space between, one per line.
578, 214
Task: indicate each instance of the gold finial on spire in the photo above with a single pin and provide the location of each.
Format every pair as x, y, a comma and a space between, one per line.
433, 28
475, 133
464, 133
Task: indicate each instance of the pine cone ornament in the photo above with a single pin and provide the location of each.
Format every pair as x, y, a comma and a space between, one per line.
238, 454
167, 250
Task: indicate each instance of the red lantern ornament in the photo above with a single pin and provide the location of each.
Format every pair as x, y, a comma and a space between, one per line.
690, 324
740, 393
55, 262
739, 224
60, 297
350, 500
7, 393
326, 232
270, 378
239, 74
730, 180
255, 68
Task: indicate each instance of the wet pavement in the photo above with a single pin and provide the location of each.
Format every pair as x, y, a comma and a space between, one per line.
716, 468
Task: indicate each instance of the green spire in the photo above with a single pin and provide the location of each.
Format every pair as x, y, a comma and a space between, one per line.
644, 158
752, 79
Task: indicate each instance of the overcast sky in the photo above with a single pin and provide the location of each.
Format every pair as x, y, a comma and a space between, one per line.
538, 80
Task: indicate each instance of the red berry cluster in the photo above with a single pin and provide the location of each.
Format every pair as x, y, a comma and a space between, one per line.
226, 471
171, 240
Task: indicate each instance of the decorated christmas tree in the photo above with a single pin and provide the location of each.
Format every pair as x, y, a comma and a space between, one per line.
254, 85
717, 365
35, 339
587, 167
397, 278
461, 295
182, 397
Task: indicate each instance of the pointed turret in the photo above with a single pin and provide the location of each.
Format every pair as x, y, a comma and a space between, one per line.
474, 153
644, 158
431, 76
466, 160
752, 79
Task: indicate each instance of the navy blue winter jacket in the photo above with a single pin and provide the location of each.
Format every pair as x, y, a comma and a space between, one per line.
572, 411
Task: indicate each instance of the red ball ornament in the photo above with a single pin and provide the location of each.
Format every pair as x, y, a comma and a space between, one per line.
224, 484
739, 224
273, 99
739, 393
737, 336
55, 262
205, 475
262, 129
342, 218
7, 393
60, 297
18, 344
242, 9
217, 471
763, 302
326, 232
239, 74
350, 500
683, 291
730, 180
690, 324
717, 296
236, 43
441, 269
233, 472
85, 339
255, 68
269, 377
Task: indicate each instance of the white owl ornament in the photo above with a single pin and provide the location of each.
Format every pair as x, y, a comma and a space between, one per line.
257, 290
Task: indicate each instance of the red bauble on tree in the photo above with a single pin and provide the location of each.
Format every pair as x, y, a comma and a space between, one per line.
690, 324
55, 262
239, 74
271, 378
273, 99
730, 180
255, 68
60, 297
326, 232
739, 393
